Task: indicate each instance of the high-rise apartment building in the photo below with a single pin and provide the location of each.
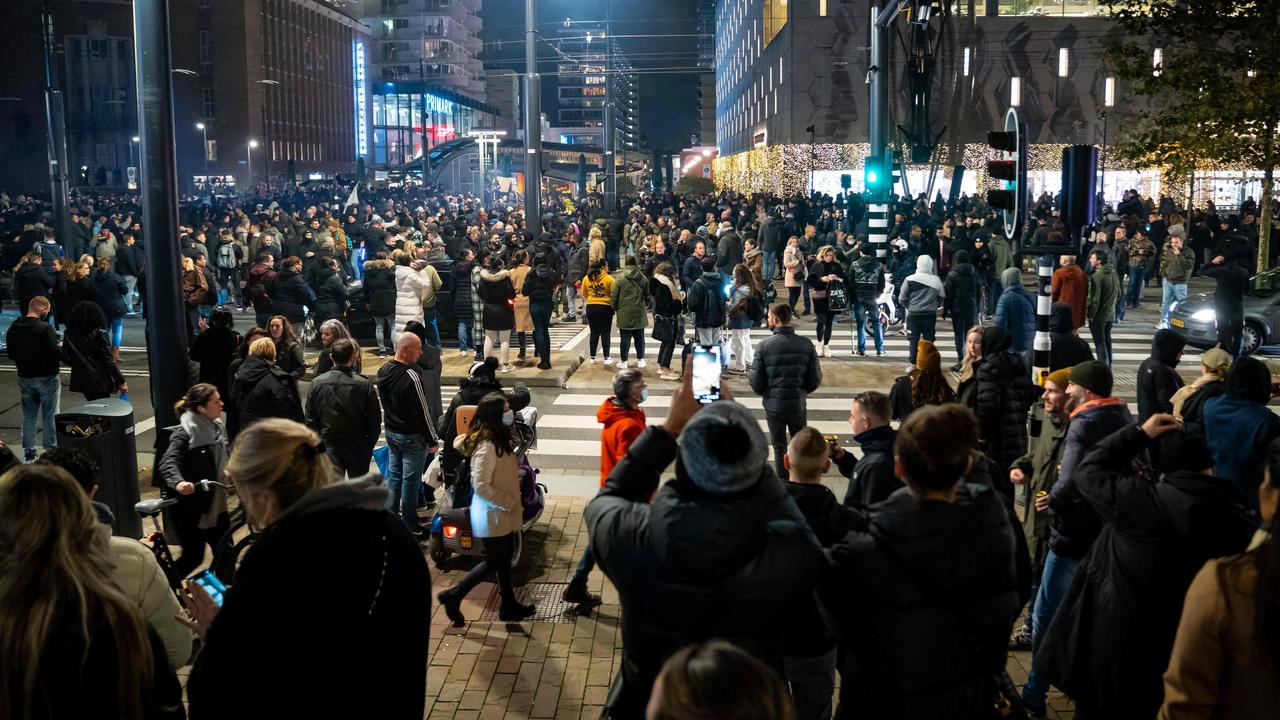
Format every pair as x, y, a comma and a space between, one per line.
590, 66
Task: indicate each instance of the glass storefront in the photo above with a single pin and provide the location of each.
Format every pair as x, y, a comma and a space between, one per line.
398, 125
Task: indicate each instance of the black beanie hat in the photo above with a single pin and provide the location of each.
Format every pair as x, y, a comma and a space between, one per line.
1093, 376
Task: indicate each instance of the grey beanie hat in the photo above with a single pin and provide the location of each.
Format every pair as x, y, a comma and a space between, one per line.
722, 449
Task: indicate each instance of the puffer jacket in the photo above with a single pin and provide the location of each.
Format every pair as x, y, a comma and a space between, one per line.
380, 288
923, 600
630, 290
963, 290
1073, 523
262, 390
410, 286
289, 295
331, 295
1016, 311
1066, 349
691, 565
498, 295
1158, 379
921, 291
462, 289
1002, 395
785, 371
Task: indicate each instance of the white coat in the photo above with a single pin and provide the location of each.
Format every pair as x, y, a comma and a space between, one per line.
496, 508
411, 285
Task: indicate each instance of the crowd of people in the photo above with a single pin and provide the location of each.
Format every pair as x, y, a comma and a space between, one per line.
1135, 556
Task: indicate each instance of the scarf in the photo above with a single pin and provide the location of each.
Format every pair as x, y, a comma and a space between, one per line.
202, 432
671, 286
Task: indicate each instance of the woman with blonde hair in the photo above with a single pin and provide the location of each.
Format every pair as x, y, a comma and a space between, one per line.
334, 587
72, 645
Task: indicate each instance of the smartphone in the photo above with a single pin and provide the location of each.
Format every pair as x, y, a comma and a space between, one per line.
706, 373
211, 584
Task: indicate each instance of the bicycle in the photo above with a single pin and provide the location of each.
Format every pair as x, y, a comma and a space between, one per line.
228, 554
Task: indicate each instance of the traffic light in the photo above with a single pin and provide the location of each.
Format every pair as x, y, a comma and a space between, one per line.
875, 175
1011, 169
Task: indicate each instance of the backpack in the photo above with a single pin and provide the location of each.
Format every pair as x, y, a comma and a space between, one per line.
227, 256
755, 308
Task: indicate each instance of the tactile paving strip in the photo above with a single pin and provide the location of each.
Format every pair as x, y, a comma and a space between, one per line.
546, 595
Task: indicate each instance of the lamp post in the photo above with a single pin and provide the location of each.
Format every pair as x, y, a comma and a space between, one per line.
249, 159
532, 123
133, 142
204, 150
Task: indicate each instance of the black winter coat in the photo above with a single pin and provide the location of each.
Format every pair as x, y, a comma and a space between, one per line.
540, 284
343, 407
377, 604
1002, 396
380, 288
706, 301
108, 291
331, 295
785, 371
1110, 641
1066, 349
470, 391
808, 634
214, 349
30, 281
462, 288
498, 293
93, 370
692, 566
963, 290
1157, 378
866, 279
262, 390
923, 600
871, 478
289, 295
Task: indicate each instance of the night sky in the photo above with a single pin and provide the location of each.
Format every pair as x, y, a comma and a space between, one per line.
668, 101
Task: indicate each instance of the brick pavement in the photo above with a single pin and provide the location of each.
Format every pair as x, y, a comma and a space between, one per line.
561, 670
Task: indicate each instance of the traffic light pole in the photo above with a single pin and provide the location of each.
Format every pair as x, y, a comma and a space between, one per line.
878, 204
56, 137
532, 123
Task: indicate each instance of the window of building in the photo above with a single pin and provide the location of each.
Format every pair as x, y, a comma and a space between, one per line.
1067, 8
206, 46
775, 17
206, 97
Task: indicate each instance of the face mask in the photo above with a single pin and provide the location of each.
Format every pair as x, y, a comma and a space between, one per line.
508, 418
644, 394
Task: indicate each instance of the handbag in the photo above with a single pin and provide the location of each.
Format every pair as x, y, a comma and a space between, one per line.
837, 300
667, 329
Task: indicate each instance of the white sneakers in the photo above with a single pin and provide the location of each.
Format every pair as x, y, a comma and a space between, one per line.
592, 360
508, 368
641, 364
608, 361
825, 352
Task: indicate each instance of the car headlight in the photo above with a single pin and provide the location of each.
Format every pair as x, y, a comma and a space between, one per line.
1206, 315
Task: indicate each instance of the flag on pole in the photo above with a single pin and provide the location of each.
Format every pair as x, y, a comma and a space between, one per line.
353, 198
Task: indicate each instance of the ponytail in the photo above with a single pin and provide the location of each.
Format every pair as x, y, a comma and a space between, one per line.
197, 395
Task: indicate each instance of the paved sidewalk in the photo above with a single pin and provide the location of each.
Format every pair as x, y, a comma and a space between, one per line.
559, 665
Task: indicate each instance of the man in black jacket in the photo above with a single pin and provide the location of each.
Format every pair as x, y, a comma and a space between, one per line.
1232, 278
31, 280
129, 264
343, 407
721, 551
871, 478
963, 292
1158, 379
706, 301
785, 370
923, 598
33, 346
868, 280
411, 433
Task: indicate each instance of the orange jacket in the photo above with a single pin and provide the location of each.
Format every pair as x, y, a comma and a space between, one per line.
621, 426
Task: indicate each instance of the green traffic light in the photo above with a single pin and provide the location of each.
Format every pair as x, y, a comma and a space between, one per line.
872, 177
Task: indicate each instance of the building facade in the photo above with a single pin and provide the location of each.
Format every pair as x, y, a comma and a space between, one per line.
591, 69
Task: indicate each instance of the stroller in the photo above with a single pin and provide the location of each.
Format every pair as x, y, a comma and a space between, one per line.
451, 527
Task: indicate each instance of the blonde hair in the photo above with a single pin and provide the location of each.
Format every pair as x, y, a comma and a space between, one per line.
57, 585
280, 457
594, 233
263, 347
966, 365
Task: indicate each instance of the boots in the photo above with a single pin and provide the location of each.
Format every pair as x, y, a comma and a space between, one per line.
516, 612
576, 592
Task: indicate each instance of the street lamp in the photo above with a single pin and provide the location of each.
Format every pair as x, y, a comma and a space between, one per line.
133, 141
204, 149
249, 160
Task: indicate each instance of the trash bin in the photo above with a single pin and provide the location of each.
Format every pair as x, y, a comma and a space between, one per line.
104, 429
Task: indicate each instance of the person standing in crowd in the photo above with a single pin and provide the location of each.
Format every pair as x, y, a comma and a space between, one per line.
1001, 396
744, 298
691, 269
623, 421
871, 477
1176, 265
1104, 297
1069, 285
962, 295
1016, 314
331, 293
258, 287
523, 319
380, 299
1226, 652
1140, 251
597, 291
1112, 638
1231, 281
197, 452
630, 288
716, 679
923, 385
786, 369
867, 277
260, 389
1074, 524
1036, 472
809, 661
496, 508
668, 320
410, 286
62, 611
288, 350
706, 301
290, 296
1158, 379
463, 301
343, 408
31, 280
822, 273
919, 298
539, 287
377, 596
194, 288
330, 332
32, 345
1188, 401
215, 348
86, 349
1066, 349
795, 274
498, 319
1240, 427
682, 564
410, 431
430, 369
432, 284
575, 270
924, 596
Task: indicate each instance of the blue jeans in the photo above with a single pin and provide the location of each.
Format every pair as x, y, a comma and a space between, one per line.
464, 333
862, 311
585, 564
433, 327
540, 311
813, 682
408, 458
1058, 573
39, 395
1173, 292
1137, 278
770, 265
117, 332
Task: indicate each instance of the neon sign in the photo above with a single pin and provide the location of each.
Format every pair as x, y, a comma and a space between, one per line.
362, 134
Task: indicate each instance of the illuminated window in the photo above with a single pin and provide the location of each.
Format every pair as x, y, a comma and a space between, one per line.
1109, 92
822, 8
968, 54
1064, 62
1157, 60
775, 17
1015, 91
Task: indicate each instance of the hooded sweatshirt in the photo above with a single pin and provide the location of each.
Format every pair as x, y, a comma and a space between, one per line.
1066, 349
621, 426
1157, 378
1016, 311
922, 290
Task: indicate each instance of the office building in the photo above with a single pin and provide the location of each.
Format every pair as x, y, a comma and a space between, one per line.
590, 66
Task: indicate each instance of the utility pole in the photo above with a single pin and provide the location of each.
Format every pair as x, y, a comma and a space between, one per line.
532, 122
426, 150
878, 203
56, 137
610, 139
166, 325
